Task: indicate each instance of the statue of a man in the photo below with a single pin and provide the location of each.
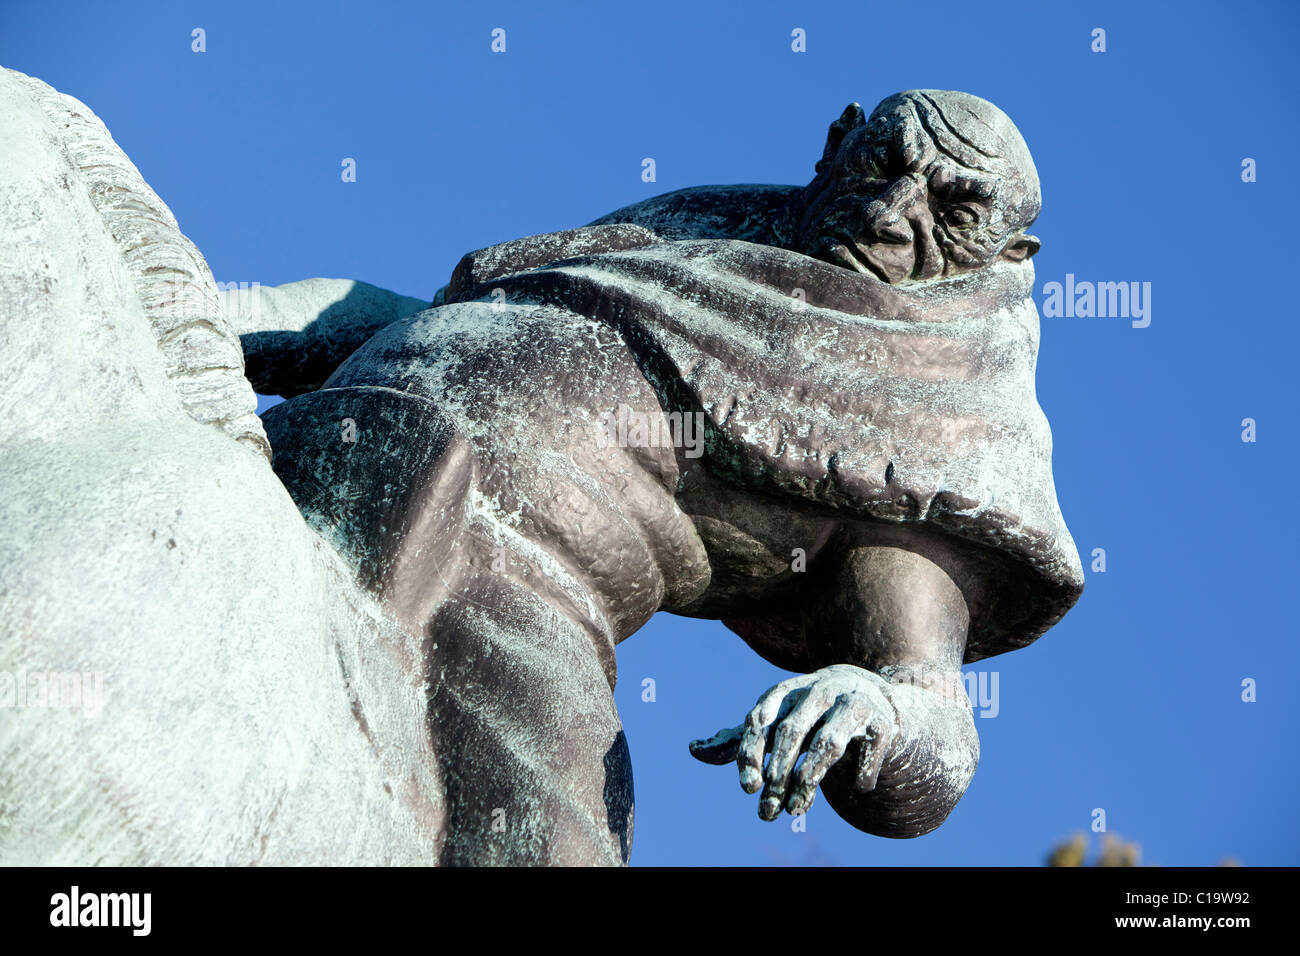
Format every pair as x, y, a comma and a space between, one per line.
868, 499
808, 412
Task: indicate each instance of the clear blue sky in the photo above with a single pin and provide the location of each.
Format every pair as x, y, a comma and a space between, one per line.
1133, 703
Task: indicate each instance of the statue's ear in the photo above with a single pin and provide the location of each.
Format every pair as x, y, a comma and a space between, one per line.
849, 120
1021, 248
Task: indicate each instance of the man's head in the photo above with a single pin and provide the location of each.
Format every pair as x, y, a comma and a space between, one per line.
933, 183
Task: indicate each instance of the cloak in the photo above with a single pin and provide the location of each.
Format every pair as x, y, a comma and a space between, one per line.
907, 404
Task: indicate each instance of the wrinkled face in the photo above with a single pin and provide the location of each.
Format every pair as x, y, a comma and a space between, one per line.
933, 184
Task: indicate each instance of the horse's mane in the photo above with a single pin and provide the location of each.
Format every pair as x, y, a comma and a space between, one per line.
201, 352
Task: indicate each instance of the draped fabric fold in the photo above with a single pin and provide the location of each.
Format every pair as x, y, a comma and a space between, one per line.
910, 403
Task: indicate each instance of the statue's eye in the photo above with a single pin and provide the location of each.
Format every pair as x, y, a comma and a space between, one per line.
960, 217
870, 160
882, 161
861, 161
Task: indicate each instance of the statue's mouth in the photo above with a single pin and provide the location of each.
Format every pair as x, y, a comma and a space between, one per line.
844, 251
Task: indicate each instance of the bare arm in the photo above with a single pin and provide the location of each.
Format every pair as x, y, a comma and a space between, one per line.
902, 617
887, 727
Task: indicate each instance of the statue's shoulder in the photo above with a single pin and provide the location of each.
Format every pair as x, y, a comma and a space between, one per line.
707, 212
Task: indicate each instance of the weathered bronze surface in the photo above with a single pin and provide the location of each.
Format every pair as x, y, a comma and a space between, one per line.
807, 412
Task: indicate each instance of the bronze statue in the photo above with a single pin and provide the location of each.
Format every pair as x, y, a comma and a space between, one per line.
807, 412
883, 426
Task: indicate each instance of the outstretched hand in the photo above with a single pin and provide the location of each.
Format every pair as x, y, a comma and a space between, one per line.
820, 713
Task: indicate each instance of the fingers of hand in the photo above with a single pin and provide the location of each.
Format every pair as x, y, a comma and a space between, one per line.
874, 747
721, 748
827, 747
788, 744
771, 708
803, 713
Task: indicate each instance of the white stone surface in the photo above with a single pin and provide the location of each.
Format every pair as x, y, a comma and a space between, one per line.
142, 544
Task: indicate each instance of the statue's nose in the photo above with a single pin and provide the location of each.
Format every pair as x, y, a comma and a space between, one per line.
887, 217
